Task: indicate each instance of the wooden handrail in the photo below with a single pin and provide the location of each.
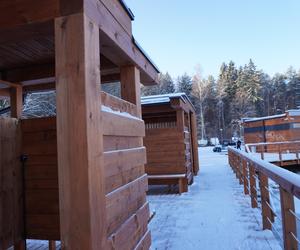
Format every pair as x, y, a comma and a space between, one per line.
246, 166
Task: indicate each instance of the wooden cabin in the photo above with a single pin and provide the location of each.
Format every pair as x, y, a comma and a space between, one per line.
171, 139
77, 177
277, 128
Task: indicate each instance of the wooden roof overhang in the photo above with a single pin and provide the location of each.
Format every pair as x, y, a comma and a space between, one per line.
174, 103
27, 49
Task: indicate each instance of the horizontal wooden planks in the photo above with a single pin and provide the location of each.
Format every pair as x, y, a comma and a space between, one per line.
123, 202
132, 231
116, 124
118, 104
111, 143
123, 166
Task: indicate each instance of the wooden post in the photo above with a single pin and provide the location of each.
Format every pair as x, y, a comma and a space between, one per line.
297, 157
180, 120
253, 192
240, 170
131, 86
79, 134
289, 224
194, 145
52, 245
262, 156
16, 101
21, 245
245, 177
16, 107
265, 200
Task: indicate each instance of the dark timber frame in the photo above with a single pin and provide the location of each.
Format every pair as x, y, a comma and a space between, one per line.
72, 46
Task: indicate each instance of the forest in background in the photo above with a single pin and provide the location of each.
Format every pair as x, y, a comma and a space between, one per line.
220, 103
238, 92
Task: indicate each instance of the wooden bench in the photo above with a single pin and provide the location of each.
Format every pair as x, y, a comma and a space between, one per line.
168, 179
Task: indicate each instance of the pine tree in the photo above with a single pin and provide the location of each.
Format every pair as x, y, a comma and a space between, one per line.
184, 85
166, 84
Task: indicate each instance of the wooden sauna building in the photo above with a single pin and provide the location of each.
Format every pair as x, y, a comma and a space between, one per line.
171, 139
277, 128
77, 177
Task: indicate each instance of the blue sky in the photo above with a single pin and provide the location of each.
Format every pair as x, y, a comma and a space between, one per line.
181, 34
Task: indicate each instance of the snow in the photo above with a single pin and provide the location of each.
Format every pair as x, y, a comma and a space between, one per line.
291, 177
272, 157
292, 112
263, 118
116, 112
166, 98
214, 214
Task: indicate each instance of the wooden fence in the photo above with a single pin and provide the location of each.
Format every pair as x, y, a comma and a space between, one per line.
255, 174
11, 203
283, 153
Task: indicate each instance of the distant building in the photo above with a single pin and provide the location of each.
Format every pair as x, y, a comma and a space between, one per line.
283, 127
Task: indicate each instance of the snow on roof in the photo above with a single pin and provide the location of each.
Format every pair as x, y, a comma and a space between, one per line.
292, 112
166, 98
263, 118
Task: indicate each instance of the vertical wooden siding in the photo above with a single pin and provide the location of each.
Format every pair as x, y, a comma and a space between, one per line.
11, 202
41, 178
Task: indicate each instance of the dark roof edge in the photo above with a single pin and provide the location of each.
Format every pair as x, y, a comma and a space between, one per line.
145, 54
128, 10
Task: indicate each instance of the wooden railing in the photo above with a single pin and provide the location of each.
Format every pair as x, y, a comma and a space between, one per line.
276, 151
255, 174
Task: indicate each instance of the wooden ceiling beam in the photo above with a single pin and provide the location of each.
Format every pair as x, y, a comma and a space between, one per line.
10, 84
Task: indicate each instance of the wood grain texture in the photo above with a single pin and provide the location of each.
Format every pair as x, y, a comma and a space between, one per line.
11, 199
80, 144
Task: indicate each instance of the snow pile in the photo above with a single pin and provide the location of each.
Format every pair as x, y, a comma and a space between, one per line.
213, 215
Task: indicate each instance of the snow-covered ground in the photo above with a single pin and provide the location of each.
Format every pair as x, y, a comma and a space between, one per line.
271, 157
213, 215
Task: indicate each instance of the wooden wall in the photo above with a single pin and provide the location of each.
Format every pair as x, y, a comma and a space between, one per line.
127, 210
11, 203
277, 129
168, 143
41, 178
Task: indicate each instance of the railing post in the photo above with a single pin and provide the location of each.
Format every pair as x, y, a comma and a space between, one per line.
262, 156
253, 186
289, 224
240, 167
297, 156
245, 177
265, 201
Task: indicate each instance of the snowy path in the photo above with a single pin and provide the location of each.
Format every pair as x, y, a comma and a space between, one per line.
213, 215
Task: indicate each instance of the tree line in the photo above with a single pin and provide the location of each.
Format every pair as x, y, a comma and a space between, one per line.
238, 92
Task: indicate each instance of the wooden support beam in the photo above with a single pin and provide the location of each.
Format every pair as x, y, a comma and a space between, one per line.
79, 134
265, 201
180, 119
5, 92
240, 170
245, 177
117, 43
10, 84
289, 224
253, 186
52, 245
131, 86
16, 101
195, 143
21, 245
